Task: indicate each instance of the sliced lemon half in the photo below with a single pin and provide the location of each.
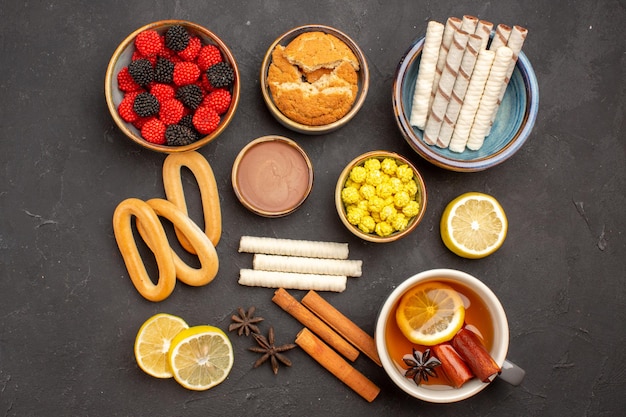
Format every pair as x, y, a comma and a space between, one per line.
430, 313
200, 357
473, 225
153, 343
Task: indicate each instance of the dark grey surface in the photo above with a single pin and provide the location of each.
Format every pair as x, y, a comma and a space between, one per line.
69, 314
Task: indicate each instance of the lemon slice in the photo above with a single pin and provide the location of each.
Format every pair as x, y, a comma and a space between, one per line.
200, 357
430, 313
473, 225
153, 342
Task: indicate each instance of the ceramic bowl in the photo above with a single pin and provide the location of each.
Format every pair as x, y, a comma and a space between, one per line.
511, 128
363, 80
122, 57
421, 197
272, 176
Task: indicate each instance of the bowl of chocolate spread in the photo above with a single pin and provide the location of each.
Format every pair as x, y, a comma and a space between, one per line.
272, 176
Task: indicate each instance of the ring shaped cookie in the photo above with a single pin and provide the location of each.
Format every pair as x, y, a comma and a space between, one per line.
156, 239
200, 243
203, 173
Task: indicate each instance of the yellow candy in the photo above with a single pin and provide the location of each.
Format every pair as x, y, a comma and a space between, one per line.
411, 188
399, 222
384, 190
401, 199
405, 173
411, 209
367, 224
363, 205
376, 204
358, 174
350, 195
396, 184
354, 215
372, 164
388, 212
374, 177
389, 166
350, 183
367, 191
383, 229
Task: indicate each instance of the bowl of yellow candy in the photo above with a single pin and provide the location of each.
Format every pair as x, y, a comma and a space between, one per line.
380, 196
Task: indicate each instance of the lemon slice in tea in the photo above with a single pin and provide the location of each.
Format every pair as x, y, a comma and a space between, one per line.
430, 313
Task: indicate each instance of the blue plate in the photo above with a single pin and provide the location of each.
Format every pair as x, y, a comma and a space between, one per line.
511, 128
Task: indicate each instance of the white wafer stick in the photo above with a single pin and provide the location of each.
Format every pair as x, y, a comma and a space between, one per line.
515, 42
290, 280
444, 89
501, 37
426, 74
302, 265
489, 100
471, 100
452, 25
460, 88
306, 248
483, 29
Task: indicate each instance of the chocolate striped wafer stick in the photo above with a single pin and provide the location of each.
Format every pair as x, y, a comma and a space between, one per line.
452, 25
489, 100
471, 101
444, 89
483, 29
468, 23
515, 42
458, 91
501, 37
426, 74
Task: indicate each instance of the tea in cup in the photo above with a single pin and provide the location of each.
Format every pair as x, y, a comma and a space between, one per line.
444, 371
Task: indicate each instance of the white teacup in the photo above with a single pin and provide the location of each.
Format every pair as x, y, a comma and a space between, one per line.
500, 343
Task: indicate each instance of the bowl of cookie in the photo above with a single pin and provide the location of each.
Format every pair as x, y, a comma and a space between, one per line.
172, 86
380, 196
314, 79
480, 109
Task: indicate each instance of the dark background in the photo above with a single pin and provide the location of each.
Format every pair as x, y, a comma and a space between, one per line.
69, 314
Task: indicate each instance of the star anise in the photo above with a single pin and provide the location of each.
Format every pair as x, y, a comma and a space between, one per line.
245, 322
270, 350
421, 366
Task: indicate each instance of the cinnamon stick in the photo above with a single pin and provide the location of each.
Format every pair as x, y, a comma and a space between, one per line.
470, 348
310, 320
336, 365
342, 325
453, 366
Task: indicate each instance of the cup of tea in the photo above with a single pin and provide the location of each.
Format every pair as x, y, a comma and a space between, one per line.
445, 371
